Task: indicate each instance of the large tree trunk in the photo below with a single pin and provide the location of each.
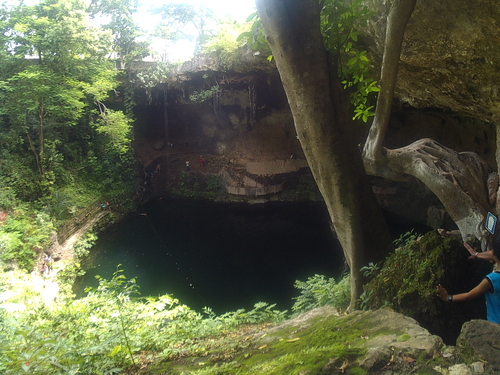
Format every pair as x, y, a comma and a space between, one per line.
460, 180
293, 32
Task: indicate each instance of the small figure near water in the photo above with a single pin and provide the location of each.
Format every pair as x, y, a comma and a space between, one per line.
202, 161
45, 270
47, 265
490, 286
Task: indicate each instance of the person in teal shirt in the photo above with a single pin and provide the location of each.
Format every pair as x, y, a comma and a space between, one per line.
490, 286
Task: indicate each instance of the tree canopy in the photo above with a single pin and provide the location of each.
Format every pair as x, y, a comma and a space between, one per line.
56, 74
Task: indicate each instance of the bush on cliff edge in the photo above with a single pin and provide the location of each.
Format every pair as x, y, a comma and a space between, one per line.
408, 278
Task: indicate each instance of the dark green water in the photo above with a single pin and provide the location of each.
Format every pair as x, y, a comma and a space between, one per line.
219, 255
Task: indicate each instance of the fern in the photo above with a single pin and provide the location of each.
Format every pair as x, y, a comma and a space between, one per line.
319, 291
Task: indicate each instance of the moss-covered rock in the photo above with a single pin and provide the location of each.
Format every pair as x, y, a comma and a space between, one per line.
319, 342
480, 339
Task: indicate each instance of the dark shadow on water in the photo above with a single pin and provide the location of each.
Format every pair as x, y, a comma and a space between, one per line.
219, 255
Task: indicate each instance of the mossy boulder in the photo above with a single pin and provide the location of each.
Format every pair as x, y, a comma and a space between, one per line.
321, 341
480, 339
408, 278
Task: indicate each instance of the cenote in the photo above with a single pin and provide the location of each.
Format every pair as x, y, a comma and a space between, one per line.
223, 256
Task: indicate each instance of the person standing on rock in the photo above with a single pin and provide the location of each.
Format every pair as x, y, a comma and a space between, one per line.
490, 286
44, 269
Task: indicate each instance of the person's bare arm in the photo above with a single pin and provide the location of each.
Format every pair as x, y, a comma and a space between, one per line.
487, 255
476, 292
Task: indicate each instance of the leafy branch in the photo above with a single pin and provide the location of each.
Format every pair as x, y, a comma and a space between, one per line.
341, 24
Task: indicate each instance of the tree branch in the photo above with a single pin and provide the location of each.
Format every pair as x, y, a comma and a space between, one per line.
32, 148
397, 20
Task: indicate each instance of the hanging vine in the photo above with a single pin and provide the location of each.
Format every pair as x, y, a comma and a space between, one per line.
165, 113
252, 94
216, 98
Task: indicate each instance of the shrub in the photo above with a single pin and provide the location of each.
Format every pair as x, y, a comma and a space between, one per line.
413, 270
22, 235
319, 291
106, 331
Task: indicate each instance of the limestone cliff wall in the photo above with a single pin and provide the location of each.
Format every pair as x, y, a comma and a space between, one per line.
450, 57
446, 90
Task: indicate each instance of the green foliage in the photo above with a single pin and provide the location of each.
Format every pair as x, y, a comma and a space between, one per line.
303, 187
370, 270
204, 95
117, 127
188, 22
154, 75
60, 147
119, 289
126, 35
365, 299
86, 242
104, 332
8, 198
319, 291
18, 171
406, 239
44, 93
255, 37
196, 186
108, 177
262, 312
35, 354
332, 342
214, 184
411, 273
227, 37
59, 206
225, 46
341, 24
128, 44
22, 236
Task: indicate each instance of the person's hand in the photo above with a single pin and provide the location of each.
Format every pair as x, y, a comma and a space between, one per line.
473, 253
442, 293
